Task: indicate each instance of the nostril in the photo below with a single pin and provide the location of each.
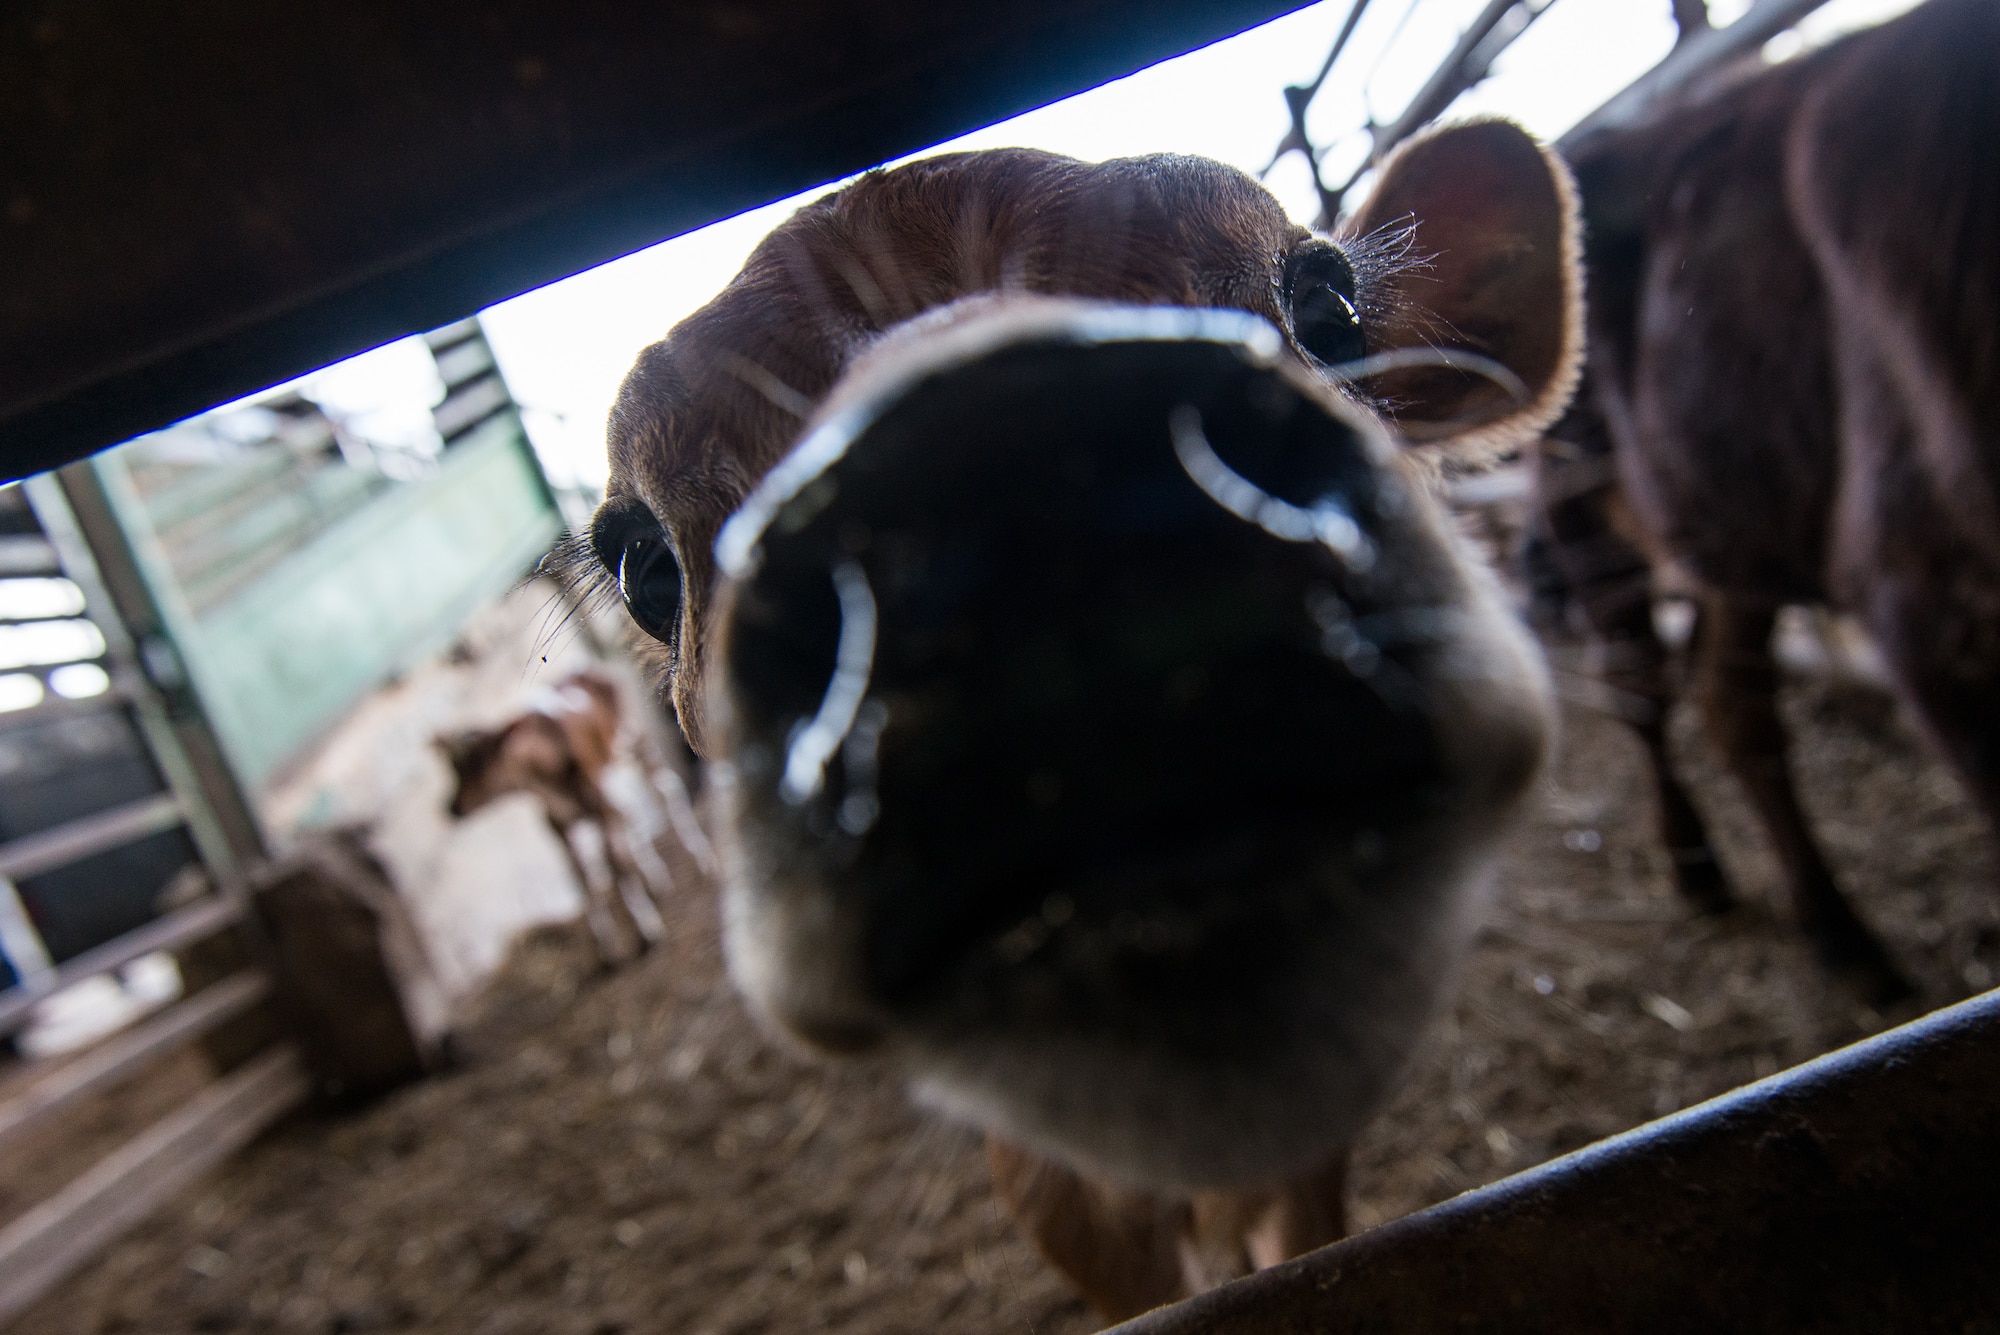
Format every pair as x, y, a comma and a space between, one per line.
814, 743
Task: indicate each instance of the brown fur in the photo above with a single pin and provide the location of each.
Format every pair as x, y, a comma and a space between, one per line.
1489, 232
1795, 364
706, 413
1894, 173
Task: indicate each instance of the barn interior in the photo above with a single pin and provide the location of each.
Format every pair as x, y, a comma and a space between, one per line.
245, 616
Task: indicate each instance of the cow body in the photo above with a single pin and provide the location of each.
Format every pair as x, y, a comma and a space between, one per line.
1109, 731
1794, 377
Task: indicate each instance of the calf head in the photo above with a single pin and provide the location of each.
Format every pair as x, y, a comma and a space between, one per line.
1109, 729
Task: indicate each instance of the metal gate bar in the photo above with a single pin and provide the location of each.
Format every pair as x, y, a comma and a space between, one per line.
33, 854
204, 917
126, 1053
61, 1233
1854, 1193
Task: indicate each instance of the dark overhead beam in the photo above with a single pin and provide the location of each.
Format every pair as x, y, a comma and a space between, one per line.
202, 198
1853, 1193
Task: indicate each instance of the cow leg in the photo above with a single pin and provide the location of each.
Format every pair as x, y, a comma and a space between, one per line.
1697, 873
615, 944
1934, 609
1581, 563
1737, 681
1117, 1246
1230, 1233
655, 878
635, 842
1635, 666
673, 790
631, 911
1953, 679
1308, 1214
636, 889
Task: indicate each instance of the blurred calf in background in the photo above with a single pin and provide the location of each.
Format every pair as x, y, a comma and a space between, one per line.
558, 749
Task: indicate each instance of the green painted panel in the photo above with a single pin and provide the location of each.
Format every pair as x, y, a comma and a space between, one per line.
280, 660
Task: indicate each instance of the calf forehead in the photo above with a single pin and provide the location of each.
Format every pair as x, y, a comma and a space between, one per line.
1165, 225
708, 409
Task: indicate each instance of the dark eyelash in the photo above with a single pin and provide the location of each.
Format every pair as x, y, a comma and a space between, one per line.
586, 590
574, 565
1377, 257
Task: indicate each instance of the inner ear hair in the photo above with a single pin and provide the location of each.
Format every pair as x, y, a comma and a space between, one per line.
1494, 215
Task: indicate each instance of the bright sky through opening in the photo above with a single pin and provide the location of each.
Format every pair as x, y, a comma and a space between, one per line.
564, 348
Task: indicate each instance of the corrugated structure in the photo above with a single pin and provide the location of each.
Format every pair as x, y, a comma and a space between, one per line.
295, 565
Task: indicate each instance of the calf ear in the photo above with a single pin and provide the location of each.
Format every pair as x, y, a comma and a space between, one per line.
1493, 266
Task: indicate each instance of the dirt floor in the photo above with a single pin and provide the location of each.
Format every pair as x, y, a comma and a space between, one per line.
627, 1153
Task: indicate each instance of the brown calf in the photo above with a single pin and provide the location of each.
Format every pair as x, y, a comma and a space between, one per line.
1795, 379
557, 749
1109, 732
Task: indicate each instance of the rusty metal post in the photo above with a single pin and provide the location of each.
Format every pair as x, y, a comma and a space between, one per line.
1857, 1192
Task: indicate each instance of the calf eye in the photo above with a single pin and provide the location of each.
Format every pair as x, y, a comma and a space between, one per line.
634, 549
1319, 293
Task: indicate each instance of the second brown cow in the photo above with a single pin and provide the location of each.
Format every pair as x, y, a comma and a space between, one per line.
1794, 384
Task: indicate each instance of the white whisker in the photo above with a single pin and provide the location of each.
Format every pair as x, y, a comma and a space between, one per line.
773, 390
854, 660
1454, 359
866, 290
1327, 522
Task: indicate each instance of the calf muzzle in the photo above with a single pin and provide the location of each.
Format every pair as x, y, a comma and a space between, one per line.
1108, 732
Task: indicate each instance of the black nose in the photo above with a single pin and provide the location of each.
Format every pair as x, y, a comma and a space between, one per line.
1078, 632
